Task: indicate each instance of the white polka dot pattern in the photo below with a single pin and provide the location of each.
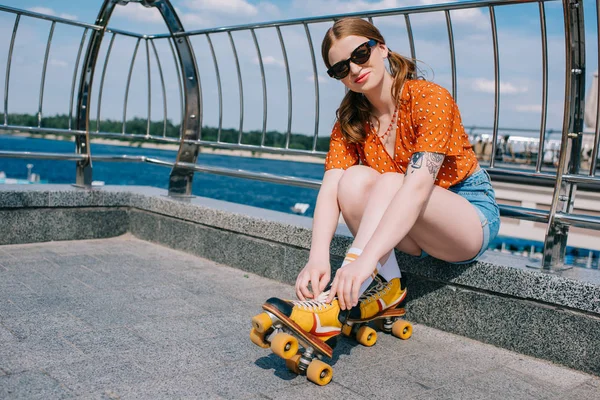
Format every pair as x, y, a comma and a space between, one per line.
428, 120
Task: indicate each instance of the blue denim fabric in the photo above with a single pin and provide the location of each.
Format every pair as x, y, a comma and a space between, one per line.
477, 189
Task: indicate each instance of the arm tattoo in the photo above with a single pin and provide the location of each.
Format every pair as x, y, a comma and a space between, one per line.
416, 161
433, 161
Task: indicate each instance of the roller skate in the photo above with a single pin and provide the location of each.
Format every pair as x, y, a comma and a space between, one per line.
300, 332
303, 332
382, 303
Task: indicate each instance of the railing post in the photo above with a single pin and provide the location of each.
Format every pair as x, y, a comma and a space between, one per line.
180, 181
82, 143
564, 192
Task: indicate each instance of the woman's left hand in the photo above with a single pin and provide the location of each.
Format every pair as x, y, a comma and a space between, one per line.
348, 280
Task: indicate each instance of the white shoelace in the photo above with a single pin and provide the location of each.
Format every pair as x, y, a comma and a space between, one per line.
373, 293
376, 291
315, 304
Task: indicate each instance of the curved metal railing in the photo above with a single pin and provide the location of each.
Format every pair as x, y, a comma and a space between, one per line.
550, 158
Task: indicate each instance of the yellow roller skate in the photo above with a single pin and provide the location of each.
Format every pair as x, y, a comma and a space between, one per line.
382, 302
301, 332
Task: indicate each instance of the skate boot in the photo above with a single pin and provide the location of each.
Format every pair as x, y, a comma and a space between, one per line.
381, 302
301, 332
380, 296
315, 317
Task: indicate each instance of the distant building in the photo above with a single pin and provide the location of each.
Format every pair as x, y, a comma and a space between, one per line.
591, 105
591, 110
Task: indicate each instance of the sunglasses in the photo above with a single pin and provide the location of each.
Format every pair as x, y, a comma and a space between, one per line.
359, 56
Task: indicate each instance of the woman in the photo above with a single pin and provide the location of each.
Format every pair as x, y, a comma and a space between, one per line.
413, 189
402, 172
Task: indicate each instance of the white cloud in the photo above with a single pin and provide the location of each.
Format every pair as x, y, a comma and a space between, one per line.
361, 5
68, 16
137, 12
198, 14
42, 10
235, 7
472, 16
51, 12
321, 79
194, 21
529, 108
270, 60
270, 9
325, 7
489, 86
350, 6
57, 63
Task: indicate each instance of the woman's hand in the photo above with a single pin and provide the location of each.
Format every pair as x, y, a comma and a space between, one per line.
318, 274
348, 280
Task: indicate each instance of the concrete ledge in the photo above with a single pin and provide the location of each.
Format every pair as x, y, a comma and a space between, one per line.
270, 225
19, 226
509, 275
498, 300
545, 331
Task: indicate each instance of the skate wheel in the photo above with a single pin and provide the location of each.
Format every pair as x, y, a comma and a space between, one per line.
284, 345
293, 364
320, 373
262, 322
366, 336
402, 329
346, 330
258, 339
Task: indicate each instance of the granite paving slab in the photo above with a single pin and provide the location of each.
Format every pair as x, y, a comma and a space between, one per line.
122, 318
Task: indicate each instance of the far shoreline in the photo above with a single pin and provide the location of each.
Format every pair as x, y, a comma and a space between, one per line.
175, 147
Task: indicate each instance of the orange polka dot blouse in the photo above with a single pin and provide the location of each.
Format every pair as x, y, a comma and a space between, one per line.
429, 121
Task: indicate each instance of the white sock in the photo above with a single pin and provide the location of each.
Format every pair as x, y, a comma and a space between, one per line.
352, 255
390, 268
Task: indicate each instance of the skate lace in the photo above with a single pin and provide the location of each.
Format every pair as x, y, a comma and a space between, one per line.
317, 304
375, 292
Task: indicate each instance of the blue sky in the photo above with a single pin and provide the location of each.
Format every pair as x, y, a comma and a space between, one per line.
519, 46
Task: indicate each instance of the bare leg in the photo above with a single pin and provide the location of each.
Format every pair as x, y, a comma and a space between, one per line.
355, 193
364, 195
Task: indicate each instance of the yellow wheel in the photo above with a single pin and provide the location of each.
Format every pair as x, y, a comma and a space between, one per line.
258, 339
346, 330
402, 329
284, 345
293, 364
262, 322
366, 336
318, 372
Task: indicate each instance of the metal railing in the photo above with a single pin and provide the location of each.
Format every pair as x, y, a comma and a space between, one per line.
563, 170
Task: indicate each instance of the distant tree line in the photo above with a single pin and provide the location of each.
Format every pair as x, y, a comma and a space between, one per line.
138, 126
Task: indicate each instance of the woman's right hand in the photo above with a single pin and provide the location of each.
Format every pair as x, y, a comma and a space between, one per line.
317, 273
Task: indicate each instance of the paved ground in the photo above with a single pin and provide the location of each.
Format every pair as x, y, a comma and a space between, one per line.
126, 319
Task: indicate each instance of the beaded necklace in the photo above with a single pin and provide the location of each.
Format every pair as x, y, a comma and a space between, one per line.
389, 129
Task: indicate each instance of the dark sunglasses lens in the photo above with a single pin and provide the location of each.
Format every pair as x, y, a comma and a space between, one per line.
359, 56
362, 54
340, 71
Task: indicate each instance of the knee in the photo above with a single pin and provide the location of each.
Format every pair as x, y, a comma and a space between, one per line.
389, 181
355, 184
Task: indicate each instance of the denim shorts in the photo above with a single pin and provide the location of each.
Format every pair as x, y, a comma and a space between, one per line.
477, 189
